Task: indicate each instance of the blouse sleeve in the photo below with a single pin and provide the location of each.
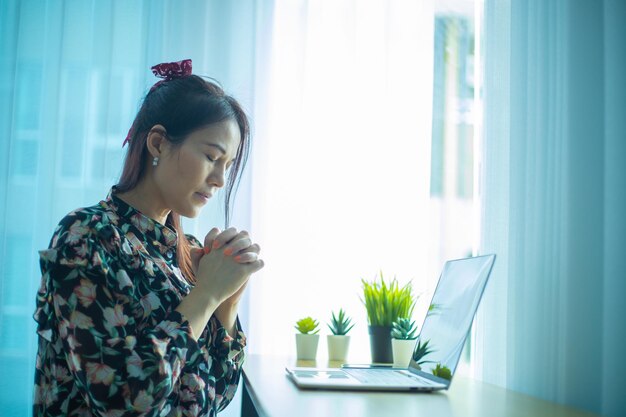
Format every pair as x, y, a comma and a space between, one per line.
227, 356
117, 367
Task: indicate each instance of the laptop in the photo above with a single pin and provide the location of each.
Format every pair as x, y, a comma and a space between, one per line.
437, 348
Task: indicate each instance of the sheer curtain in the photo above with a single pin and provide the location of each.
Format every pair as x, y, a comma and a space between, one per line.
343, 188
73, 74
554, 176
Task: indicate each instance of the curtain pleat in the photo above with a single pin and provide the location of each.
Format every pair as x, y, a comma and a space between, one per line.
552, 188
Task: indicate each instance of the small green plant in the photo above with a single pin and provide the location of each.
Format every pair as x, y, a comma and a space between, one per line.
307, 326
385, 303
403, 329
442, 372
420, 351
341, 324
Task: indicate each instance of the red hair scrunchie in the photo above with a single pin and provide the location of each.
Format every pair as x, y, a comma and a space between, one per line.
171, 70
168, 71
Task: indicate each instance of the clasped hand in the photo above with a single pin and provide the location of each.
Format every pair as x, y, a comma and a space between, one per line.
223, 267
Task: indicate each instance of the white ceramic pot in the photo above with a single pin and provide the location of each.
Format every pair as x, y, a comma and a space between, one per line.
306, 346
402, 352
338, 347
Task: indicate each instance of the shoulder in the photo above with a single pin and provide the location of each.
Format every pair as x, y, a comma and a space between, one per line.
75, 225
82, 223
82, 233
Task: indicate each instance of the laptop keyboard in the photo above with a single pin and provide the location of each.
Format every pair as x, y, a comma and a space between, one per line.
387, 377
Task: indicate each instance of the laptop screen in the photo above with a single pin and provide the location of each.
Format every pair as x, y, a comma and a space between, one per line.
450, 316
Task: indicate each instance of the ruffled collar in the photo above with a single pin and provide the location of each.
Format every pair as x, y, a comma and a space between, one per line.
149, 230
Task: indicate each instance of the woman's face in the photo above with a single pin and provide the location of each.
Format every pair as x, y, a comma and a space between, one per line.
189, 174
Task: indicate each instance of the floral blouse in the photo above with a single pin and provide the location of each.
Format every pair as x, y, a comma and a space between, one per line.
111, 343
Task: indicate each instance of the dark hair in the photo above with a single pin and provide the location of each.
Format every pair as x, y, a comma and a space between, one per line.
182, 106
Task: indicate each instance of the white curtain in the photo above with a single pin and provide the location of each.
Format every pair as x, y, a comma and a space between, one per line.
341, 188
72, 77
553, 198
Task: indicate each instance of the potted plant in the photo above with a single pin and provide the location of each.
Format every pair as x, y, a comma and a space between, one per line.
385, 303
307, 339
403, 341
339, 341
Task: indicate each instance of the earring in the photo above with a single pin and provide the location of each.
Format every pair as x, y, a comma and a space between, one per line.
155, 161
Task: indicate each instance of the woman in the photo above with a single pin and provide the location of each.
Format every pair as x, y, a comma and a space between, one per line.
135, 317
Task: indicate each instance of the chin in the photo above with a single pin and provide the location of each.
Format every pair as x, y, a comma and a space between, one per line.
192, 214
189, 212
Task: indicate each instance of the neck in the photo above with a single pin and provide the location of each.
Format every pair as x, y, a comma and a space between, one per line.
146, 198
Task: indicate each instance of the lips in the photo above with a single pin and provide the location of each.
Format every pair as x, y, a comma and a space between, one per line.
204, 196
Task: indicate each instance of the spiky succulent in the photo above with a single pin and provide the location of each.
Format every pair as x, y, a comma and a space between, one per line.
307, 326
403, 329
442, 372
341, 324
420, 351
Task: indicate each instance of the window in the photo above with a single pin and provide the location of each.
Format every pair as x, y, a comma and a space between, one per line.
455, 108
456, 124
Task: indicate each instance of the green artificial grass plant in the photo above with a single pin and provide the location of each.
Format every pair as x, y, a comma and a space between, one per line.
386, 302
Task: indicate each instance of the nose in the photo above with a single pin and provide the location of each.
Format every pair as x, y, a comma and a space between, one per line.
217, 176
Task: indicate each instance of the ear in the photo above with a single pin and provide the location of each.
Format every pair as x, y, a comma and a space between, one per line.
157, 142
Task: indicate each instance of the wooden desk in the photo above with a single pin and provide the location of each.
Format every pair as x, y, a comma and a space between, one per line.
268, 393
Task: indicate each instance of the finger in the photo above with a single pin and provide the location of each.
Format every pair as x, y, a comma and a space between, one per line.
240, 235
256, 266
246, 257
196, 254
224, 237
209, 238
244, 234
237, 246
252, 248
